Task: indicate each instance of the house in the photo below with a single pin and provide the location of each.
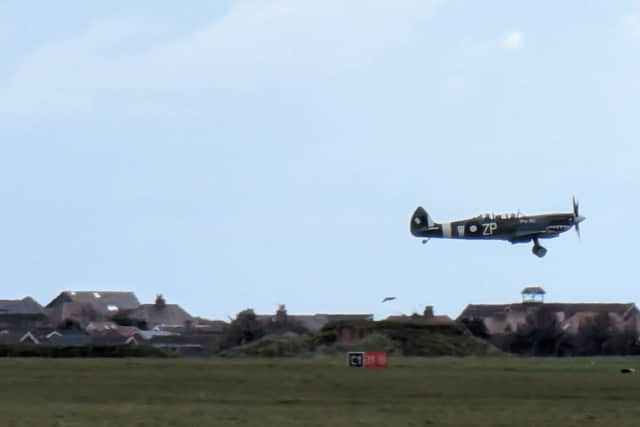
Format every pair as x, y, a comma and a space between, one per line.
108, 328
311, 322
23, 313
506, 318
69, 315
210, 326
159, 315
29, 338
105, 303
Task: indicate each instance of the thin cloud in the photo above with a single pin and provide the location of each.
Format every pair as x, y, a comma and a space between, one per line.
513, 40
254, 43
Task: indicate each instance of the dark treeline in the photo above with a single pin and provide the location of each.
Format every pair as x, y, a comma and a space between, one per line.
109, 351
246, 328
542, 335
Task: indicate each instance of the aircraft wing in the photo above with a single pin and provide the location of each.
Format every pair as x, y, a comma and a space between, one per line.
526, 236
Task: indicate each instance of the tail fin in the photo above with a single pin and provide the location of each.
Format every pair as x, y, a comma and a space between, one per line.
420, 221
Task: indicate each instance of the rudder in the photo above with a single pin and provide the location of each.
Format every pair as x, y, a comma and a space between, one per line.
420, 221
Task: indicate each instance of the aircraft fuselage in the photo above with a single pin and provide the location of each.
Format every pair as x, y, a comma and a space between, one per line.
499, 227
514, 228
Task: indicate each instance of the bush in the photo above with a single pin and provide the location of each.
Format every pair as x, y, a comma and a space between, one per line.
373, 342
410, 337
286, 344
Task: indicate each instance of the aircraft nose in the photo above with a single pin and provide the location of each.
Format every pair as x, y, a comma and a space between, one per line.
579, 219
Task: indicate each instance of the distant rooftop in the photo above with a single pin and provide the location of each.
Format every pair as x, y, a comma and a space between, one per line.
491, 310
24, 306
104, 301
315, 322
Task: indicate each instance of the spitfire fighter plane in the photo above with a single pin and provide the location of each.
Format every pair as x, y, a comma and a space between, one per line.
516, 228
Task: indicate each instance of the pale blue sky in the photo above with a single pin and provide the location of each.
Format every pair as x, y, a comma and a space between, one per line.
236, 154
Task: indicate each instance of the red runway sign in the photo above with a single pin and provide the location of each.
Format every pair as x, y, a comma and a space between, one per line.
368, 359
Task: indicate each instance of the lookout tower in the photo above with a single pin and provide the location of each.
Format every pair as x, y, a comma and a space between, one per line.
533, 294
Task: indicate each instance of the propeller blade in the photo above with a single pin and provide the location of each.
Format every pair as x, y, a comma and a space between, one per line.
577, 219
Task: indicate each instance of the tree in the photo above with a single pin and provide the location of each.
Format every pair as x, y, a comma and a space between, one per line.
593, 333
243, 329
283, 323
622, 342
477, 327
540, 335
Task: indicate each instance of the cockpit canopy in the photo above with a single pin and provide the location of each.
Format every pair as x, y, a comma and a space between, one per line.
493, 216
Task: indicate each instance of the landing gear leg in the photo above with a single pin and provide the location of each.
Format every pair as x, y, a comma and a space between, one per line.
537, 249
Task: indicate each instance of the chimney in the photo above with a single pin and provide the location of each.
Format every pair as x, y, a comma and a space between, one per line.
281, 314
160, 302
428, 312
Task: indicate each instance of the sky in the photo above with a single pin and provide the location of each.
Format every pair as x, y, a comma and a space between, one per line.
251, 153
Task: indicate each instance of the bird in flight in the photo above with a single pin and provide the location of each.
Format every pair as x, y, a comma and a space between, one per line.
388, 299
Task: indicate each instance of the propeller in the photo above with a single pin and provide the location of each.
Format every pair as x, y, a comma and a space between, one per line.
577, 218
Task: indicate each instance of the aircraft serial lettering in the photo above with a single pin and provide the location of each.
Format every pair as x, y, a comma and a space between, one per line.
489, 228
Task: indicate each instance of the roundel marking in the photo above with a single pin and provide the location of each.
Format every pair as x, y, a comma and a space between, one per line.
417, 221
473, 228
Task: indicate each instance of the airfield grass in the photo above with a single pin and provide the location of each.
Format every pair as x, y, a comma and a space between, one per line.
492, 391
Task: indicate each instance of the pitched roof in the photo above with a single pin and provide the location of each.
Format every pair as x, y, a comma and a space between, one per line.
29, 337
24, 306
103, 301
491, 310
167, 315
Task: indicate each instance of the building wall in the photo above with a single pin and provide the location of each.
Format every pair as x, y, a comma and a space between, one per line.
507, 323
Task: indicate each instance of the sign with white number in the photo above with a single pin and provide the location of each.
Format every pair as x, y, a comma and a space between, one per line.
368, 359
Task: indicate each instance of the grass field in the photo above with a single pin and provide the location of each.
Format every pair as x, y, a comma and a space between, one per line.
319, 392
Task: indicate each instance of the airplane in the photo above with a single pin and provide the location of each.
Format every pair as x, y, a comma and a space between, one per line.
515, 228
